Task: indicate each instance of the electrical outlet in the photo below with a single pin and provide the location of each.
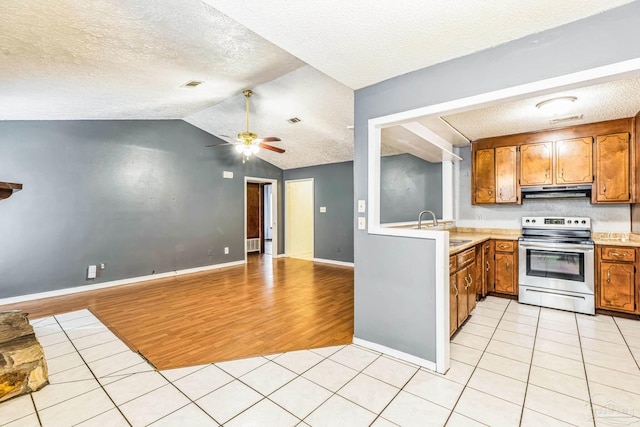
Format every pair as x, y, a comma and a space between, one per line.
226, 251
91, 272
323, 209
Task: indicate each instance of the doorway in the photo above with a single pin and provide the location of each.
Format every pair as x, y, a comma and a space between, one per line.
299, 218
261, 216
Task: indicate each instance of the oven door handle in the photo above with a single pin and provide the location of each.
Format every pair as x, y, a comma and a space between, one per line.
564, 246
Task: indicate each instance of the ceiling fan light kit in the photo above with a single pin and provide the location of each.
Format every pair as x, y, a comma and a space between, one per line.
247, 143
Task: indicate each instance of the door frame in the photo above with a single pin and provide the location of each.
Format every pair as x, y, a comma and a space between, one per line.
287, 234
274, 219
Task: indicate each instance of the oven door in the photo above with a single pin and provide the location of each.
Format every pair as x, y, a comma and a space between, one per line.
565, 267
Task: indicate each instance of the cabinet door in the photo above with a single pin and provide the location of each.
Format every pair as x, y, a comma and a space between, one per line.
506, 185
487, 267
505, 269
484, 177
617, 286
479, 276
472, 285
453, 305
574, 161
461, 279
612, 168
536, 161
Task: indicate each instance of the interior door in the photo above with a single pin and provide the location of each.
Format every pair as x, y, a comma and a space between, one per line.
299, 219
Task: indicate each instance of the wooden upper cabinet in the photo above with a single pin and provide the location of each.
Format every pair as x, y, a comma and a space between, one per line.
484, 177
536, 163
506, 175
612, 169
574, 161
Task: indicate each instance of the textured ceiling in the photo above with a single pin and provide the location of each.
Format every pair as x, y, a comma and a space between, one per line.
361, 42
126, 59
606, 101
99, 59
324, 106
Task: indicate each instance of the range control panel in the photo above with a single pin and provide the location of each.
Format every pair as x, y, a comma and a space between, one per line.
570, 222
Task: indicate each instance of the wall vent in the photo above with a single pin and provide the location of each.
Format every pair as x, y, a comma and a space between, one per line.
192, 83
294, 120
565, 119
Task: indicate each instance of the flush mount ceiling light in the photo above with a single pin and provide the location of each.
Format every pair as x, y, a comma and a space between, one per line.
555, 106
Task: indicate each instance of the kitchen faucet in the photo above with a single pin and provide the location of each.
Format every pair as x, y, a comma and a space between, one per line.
435, 221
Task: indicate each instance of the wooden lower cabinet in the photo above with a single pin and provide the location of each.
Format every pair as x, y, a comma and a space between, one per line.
506, 267
616, 279
485, 268
462, 283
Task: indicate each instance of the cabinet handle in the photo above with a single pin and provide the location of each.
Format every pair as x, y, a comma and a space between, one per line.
617, 254
490, 192
562, 173
503, 246
508, 266
604, 188
609, 276
455, 288
470, 281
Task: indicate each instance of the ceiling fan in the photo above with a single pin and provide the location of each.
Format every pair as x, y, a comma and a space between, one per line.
248, 142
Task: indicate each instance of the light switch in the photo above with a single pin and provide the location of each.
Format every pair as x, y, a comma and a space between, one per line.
323, 209
91, 272
362, 223
227, 174
362, 206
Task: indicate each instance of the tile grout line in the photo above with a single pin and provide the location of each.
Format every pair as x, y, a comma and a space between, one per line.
627, 344
35, 409
96, 379
475, 367
586, 375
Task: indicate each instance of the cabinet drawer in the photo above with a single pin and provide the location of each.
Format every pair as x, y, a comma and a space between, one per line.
617, 253
466, 257
453, 265
505, 245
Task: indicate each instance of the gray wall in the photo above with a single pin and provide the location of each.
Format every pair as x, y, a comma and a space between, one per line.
603, 217
333, 189
599, 40
141, 196
409, 185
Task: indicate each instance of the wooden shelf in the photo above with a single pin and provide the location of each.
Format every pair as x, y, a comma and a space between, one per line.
8, 188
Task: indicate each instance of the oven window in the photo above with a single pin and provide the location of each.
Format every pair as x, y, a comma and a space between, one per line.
556, 265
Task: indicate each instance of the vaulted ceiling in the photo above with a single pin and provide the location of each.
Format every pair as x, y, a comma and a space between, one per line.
126, 59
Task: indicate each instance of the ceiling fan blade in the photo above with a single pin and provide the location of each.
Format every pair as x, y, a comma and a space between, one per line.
219, 145
270, 147
269, 139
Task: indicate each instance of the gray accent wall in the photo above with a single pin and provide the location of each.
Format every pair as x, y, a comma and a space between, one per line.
409, 185
333, 189
143, 197
596, 41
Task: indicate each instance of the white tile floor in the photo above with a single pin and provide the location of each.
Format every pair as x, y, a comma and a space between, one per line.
512, 365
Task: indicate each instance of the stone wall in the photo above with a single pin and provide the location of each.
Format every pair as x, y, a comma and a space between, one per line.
23, 368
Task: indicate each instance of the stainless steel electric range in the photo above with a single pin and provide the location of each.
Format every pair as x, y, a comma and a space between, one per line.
556, 263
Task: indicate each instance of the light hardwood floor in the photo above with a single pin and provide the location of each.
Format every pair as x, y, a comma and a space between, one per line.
260, 308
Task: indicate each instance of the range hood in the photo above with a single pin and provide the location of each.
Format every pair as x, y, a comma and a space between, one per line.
557, 192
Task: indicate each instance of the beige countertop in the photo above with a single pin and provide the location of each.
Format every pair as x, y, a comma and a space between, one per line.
479, 235
616, 239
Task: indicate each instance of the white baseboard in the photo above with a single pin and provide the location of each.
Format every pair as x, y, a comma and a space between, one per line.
330, 261
86, 288
395, 353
